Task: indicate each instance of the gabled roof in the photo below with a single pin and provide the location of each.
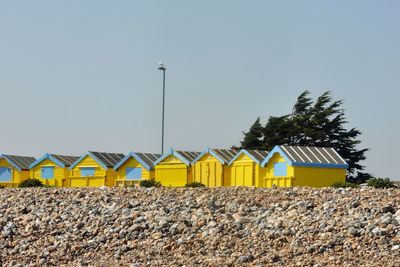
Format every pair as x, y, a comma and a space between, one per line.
325, 157
146, 159
257, 155
19, 162
186, 157
61, 160
106, 160
223, 155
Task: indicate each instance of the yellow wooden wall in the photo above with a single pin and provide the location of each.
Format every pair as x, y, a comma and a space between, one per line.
318, 177
173, 172
61, 175
132, 163
246, 172
101, 176
270, 179
17, 176
302, 176
211, 172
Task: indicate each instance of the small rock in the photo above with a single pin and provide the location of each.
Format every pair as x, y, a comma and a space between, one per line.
245, 258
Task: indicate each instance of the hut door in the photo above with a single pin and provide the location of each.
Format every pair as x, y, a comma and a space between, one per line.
248, 175
239, 175
212, 174
204, 173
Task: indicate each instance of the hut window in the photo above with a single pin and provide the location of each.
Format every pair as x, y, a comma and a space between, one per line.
5, 174
87, 171
280, 169
47, 172
133, 173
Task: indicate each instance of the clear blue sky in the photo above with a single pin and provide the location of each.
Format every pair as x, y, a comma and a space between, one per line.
80, 75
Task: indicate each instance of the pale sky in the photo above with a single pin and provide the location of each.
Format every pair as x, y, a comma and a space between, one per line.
80, 75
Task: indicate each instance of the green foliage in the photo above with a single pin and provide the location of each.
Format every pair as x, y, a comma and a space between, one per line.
253, 138
380, 183
195, 184
344, 185
150, 183
313, 123
31, 183
2, 186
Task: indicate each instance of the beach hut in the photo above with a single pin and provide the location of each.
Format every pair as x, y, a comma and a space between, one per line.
211, 167
246, 169
52, 169
14, 169
94, 169
135, 167
174, 168
303, 166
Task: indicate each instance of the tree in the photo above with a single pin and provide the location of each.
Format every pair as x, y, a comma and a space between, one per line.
320, 123
253, 138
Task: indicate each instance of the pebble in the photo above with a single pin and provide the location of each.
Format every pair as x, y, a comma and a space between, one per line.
199, 227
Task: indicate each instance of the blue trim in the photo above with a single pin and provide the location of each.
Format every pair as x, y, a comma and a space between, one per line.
321, 165
135, 156
174, 153
211, 152
275, 150
165, 155
49, 157
90, 155
11, 162
245, 152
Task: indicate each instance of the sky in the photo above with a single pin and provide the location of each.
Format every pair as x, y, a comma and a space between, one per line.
82, 75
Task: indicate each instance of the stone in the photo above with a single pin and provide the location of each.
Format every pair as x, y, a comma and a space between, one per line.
395, 247
245, 258
353, 232
126, 212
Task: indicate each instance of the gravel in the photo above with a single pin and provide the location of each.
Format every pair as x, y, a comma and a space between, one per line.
195, 227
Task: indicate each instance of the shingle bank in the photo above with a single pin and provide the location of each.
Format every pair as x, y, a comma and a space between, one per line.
178, 226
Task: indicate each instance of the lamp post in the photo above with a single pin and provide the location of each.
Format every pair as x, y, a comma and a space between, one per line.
163, 69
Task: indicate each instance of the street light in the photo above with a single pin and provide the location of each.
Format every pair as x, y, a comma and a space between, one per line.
163, 68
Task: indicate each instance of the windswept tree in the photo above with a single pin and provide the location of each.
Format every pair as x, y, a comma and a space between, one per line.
312, 123
254, 137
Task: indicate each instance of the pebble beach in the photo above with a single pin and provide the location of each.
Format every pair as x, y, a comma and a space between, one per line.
199, 227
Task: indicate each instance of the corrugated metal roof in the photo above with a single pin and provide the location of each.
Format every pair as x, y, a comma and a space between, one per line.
108, 159
320, 155
21, 162
225, 154
188, 155
148, 158
66, 160
260, 155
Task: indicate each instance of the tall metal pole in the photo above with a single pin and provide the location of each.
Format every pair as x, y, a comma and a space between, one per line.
163, 68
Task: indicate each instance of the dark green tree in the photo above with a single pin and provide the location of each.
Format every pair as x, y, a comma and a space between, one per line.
277, 131
320, 123
254, 137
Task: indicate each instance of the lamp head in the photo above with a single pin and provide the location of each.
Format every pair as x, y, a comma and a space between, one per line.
161, 66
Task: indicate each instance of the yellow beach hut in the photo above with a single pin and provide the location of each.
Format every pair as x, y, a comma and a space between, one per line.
94, 169
174, 168
246, 168
135, 167
211, 167
14, 169
53, 169
303, 166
